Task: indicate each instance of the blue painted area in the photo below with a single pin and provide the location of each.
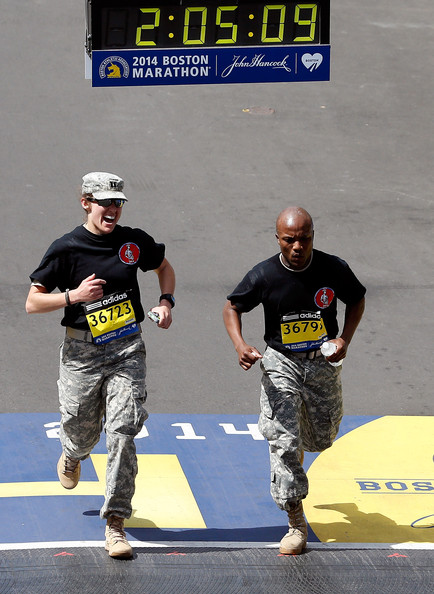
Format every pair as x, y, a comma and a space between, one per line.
228, 474
211, 65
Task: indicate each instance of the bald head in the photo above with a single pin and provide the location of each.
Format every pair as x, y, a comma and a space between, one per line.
294, 233
294, 215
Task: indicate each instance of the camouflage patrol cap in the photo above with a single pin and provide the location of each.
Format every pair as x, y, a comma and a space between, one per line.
103, 185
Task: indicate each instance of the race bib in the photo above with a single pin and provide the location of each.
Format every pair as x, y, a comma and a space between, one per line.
111, 317
303, 331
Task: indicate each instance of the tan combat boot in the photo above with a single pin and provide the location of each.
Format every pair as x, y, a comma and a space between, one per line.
295, 539
116, 542
68, 471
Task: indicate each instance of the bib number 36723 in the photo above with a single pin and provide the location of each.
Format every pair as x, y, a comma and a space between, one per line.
111, 317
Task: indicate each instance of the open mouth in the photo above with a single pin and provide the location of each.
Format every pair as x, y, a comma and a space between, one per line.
109, 219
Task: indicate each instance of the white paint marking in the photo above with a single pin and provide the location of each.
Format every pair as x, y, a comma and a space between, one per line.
74, 544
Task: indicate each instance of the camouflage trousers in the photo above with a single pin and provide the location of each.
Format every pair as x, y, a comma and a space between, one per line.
103, 386
301, 409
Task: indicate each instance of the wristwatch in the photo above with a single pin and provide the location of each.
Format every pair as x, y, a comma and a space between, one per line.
170, 298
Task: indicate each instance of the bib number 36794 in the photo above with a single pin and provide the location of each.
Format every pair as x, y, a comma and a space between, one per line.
303, 331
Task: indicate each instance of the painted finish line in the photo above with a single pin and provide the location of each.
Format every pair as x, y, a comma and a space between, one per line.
182, 66
206, 478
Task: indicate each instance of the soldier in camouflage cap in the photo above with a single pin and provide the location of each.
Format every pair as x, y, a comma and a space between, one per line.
301, 395
103, 358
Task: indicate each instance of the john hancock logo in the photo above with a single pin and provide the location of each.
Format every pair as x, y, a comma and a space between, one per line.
114, 67
258, 61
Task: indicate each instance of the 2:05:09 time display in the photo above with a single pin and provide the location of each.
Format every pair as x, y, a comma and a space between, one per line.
210, 23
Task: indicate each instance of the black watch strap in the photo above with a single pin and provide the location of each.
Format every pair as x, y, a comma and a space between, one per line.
169, 297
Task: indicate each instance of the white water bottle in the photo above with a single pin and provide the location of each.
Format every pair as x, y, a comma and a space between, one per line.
327, 349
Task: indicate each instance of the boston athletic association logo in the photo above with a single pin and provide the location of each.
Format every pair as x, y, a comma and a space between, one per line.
114, 67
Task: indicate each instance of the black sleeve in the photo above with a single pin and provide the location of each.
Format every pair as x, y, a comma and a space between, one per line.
350, 289
151, 252
52, 270
248, 293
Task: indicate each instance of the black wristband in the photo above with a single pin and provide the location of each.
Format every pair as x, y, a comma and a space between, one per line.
169, 297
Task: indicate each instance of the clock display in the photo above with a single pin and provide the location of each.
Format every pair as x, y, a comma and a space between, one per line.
192, 24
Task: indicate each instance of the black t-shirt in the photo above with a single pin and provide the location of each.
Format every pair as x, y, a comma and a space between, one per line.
114, 257
300, 308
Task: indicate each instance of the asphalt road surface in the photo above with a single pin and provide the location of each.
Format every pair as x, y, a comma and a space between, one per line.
207, 170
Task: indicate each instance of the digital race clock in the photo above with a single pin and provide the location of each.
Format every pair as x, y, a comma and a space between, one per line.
214, 41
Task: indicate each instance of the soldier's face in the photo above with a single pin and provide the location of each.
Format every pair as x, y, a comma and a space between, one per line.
295, 239
101, 220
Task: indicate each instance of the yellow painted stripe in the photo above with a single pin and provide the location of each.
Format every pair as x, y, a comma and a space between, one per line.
163, 497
